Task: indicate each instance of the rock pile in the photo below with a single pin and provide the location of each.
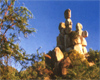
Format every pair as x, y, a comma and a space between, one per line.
66, 41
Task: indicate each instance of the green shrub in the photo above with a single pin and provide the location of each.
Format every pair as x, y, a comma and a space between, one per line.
8, 72
76, 58
65, 54
94, 55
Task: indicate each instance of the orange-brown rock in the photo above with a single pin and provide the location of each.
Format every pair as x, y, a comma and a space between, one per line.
62, 26
68, 24
60, 38
60, 41
85, 34
67, 13
65, 63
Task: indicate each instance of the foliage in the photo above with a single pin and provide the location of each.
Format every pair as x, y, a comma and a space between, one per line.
80, 68
65, 54
83, 72
77, 59
94, 55
14, 21
8, 72
36, 71
73, 35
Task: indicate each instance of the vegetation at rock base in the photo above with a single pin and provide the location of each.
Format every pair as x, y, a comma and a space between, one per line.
80, 68
8, 72
94, 55
38, 70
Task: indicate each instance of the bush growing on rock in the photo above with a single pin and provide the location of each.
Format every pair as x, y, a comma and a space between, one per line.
76, 58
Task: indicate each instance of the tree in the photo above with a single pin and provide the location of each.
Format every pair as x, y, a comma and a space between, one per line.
14, 19
8, 72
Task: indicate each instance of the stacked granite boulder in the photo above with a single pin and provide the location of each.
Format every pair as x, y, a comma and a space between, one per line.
69, 39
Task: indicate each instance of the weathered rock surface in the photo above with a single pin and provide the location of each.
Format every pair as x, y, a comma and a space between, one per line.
85, 34
67, 13
62, 26
68, 24
78, 47
84, 43
82, 35
58, 53
84, 50
65, 63
60, 38
66, 41
61, 67
79, 29
60, 41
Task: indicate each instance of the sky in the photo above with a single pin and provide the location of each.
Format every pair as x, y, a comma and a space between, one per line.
46, 18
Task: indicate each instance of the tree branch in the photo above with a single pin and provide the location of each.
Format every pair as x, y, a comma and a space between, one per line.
5, 15
6, 31
8, 28
8, 9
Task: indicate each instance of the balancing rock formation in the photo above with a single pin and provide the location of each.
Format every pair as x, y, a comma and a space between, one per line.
66, 41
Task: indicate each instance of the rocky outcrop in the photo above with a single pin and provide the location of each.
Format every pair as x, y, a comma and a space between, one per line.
66, 41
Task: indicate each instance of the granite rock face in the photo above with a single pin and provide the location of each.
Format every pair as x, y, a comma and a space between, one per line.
58, 53
65, 63
67, 14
